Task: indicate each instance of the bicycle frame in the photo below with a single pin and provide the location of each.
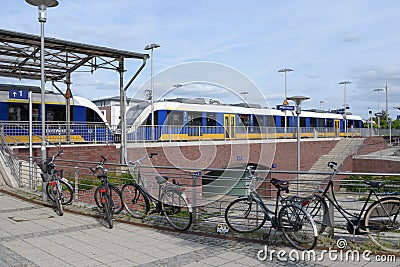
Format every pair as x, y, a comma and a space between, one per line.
254, 195
357, 223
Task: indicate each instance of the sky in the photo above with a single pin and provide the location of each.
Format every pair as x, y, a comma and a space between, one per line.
324, 42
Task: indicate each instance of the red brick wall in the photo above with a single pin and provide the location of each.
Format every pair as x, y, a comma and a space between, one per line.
374, 165
372, 144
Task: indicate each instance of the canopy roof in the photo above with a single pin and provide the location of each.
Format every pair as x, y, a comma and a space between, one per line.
20, 56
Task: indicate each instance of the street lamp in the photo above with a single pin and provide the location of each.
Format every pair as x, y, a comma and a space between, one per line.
320, 104
285, 70
244, 95
379, 111
152, 47
298, 99
42, 6
345, 106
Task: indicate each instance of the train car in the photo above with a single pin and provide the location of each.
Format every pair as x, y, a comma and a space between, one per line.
194, 120
87, 123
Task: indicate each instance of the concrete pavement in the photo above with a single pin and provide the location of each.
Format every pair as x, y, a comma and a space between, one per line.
34, 235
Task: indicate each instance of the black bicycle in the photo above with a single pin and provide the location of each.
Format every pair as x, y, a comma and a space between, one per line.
249, 213
105, 195
380, 220
171, 202
58, 190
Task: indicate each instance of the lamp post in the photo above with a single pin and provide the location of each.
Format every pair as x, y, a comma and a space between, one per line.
152, 47
42, 6
345, 106
298, 100
285, 70
378, 114
244, 95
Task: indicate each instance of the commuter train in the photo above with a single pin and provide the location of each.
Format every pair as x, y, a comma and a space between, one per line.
87, 123
183, 119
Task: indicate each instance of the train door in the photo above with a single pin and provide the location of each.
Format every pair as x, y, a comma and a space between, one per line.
337, 127
230, 126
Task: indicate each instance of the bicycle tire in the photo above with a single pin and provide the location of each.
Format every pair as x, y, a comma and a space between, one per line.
244, 215
134, 200
59, 205
115, 193
108, 211
67, 192
176, 209
298, 227
382, 223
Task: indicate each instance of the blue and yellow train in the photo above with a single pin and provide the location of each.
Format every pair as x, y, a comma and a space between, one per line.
87, 123
182, 119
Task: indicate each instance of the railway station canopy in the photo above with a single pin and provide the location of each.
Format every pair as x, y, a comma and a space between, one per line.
20, 56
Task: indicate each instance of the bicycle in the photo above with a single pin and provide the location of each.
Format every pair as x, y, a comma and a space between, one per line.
105, 195
381, 221
171, 202
249, 213
58, 190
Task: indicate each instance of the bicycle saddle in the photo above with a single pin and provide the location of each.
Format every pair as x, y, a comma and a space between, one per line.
376, 184
280, 184
161, 179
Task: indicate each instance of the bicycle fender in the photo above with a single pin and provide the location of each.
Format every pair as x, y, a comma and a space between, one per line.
312, 220
188, 204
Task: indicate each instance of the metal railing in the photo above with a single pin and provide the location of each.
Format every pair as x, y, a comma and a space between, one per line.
57, 132
211, 190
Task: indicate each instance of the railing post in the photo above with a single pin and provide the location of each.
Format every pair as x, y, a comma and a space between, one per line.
20, 174
30, 173
76, 188
194, 196
95, 134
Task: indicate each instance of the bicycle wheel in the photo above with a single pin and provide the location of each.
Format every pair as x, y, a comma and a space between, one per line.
136, 204
382, 222
59, 205
245, 215
108, 211
115, 193
298, 227
318, 209
176, 209
66, 190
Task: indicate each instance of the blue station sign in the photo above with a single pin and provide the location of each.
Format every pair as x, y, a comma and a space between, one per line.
284, 107
18, 94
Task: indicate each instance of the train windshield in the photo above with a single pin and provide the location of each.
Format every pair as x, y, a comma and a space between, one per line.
134, 112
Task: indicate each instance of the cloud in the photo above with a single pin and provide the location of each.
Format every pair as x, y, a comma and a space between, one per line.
353, 37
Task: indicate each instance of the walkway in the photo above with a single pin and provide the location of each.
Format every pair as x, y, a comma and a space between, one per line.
33, 235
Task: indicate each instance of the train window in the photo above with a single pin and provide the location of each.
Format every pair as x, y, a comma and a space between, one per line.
271, 121
55, 113
92, 116
244, 119
313, 122
195, 118
18, 112
259, 121
211, 119
329, 122
174, 118
302, 122
283, 121
148, 121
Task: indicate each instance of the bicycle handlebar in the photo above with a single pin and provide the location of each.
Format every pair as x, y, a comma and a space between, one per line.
100, 166
136, 163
